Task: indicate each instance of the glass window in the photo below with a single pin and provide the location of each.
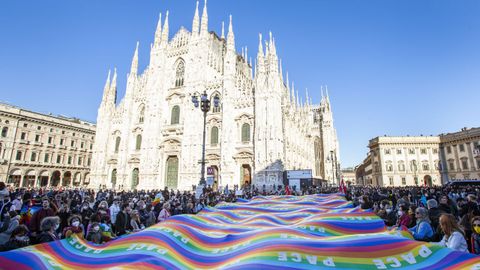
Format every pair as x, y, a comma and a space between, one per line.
25, 125
245, 132
33, 157
399, 151
387, 151
69, 160
451, 165
72, 143
37, 138
50, 139
81, 145
19, 155
449, 149
141, 115
89, 161
117, 144
425, 167
179, 74
4, 132
404, 181
175, 115
461, 147
464, 164
46, 158
59, 159
423, 151
214, 136
219, 107
23, 136
80, 160
391, 181
61, 141
138, 143
411, 151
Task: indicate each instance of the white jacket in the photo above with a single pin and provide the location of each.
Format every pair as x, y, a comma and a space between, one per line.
456, 241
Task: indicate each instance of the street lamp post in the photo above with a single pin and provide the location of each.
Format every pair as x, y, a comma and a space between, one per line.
204, 104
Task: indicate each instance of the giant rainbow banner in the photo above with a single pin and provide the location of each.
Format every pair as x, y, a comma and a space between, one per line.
275, 232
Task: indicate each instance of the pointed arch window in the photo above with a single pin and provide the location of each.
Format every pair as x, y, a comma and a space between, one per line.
138, 142
175, 115
179, 73
214, 136
141, 115
117, 144
217, 109
245, 132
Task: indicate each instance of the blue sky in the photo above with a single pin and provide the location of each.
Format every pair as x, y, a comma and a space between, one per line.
392, 67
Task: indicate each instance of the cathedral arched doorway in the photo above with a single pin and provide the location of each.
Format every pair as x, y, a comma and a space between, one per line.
245, 175
113, 178
55, 180
135, 180
67, 179
171, 179
427, 180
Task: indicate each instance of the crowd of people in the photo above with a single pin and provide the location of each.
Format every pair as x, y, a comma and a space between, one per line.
446, 215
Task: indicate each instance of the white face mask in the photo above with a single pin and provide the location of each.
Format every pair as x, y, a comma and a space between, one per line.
57, 226
96, 229
388, 210
76, 223
22, 238
400, 212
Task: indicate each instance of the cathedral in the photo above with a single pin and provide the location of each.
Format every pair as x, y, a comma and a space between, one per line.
152, 138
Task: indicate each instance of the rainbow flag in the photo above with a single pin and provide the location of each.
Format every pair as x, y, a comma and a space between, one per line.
273, 232
27, 212
157, 199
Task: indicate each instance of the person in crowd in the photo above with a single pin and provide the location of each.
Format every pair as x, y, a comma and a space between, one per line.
365, 202
12, 223
17, 203
403, 217
422, 231
85, 213
413, 218
49, 226
122, 221
38, 216
114, 209
165, 213
433, 213
468, 211
475, 238
75, 227
446, 205
18, 239
95, 235
454, 237
135, 223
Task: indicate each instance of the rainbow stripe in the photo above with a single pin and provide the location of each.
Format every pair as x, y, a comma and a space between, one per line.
274, 232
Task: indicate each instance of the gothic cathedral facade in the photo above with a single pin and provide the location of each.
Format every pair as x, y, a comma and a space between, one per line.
152, 138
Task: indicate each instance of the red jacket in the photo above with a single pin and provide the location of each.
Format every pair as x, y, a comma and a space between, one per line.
37, 218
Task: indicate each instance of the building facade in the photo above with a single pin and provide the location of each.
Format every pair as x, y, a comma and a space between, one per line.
38, 150
152, 138
460, 154
405, 161
422, 160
